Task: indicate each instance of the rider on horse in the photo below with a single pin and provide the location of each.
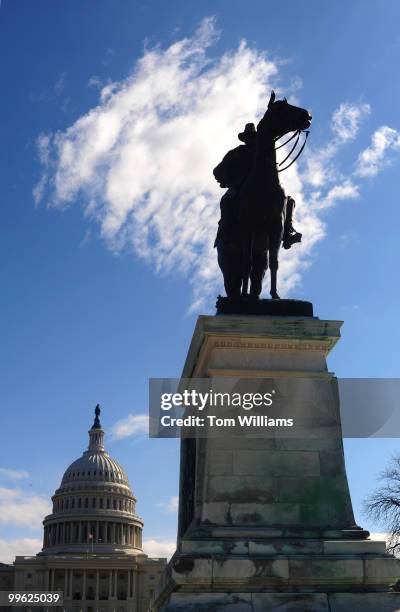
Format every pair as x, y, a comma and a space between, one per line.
231, 173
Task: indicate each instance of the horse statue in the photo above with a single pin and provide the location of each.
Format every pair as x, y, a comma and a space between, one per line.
259, 206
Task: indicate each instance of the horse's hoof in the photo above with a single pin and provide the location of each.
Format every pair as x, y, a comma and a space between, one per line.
275, 296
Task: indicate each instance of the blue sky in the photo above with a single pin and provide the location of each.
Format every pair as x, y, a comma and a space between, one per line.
102, 280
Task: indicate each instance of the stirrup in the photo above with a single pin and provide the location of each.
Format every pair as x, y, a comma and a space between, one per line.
288, 241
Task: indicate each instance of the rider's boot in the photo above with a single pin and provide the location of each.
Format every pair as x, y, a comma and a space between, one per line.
290, 237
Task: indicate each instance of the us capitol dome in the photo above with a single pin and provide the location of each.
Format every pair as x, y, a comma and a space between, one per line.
94, 505
92, 544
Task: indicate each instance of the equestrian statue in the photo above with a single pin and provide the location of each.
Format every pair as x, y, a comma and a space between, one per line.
256, 215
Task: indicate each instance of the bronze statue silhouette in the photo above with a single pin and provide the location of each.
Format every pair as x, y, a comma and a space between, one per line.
256, 215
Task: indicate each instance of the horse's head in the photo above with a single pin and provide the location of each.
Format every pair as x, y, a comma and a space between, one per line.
282, 117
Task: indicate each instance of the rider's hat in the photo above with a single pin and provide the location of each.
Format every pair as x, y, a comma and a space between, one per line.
249, 133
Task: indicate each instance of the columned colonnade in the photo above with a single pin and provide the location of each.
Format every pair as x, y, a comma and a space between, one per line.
119, 584
102, 532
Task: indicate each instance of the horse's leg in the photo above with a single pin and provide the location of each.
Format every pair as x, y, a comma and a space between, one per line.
230, 263
259, 262
273, 265
274, 275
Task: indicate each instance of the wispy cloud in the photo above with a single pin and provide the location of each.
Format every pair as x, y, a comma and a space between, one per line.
171, 505
385, 145
9, 549
346, 190
141, 160
321, 163
131, 425
11, 474
159, 548
347, 119
22, 508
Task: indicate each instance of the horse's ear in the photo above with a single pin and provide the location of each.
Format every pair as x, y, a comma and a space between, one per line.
272, 99
284, 99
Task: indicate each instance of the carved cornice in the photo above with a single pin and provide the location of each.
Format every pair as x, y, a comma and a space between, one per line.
274, 344
248, 333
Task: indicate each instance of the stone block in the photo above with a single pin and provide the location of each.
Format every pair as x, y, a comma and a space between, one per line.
209, 602
364, 602
249, 570
276, 463
290, 602
220, 462
326, 571
259, 359
242, 531
328, 516
285, 547
354, 547
241, 489
254, 463
264, 514
215, 547
191, 570
332, 463
313, 490
216, 513
382, 570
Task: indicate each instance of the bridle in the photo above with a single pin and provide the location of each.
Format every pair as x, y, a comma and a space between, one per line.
296, 133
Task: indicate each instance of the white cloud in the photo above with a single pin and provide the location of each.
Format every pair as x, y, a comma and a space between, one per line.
39, 189
159, 548
171, 505
43, 148
129, 426
346, 120
384, 142
141, 161
380, 536
321, 169
22, 508
347, 190
13, 474
25, 547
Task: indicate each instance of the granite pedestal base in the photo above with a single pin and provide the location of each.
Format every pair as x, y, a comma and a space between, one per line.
267, 523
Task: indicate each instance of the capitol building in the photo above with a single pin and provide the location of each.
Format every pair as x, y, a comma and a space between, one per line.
92, 542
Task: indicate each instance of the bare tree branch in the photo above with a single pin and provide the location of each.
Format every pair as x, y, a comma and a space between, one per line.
383, 505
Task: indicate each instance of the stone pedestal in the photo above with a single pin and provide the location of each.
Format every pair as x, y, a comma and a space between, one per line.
266, 523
